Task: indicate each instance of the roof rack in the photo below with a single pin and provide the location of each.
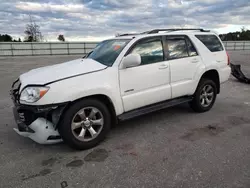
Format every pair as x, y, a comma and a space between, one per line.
167, 30
178, 29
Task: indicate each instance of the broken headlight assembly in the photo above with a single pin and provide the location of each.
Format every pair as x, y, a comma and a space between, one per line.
32, 94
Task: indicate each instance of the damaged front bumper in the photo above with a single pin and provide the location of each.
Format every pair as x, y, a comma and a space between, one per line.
38, 123
43, 132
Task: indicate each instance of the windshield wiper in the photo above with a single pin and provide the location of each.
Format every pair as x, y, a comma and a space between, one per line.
87, 55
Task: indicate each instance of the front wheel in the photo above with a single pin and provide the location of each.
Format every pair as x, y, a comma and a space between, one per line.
85, 124
204, 96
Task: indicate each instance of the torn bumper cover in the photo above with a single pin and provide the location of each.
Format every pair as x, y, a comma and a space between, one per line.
41, 131
237, 73
38, 123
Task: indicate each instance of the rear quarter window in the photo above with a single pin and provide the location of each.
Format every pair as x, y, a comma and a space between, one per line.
211, 42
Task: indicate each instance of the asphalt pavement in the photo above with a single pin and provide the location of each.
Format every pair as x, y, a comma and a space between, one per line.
174, 147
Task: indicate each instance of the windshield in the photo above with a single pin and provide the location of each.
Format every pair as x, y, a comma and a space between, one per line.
107, 51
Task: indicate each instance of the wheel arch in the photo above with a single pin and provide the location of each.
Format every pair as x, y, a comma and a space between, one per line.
212, 74
100, 97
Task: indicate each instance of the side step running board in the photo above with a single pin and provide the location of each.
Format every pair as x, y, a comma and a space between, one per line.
154, 107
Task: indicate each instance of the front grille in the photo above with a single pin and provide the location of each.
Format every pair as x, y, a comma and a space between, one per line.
15, 91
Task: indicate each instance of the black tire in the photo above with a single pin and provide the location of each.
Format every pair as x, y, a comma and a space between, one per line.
196, 103
65, 125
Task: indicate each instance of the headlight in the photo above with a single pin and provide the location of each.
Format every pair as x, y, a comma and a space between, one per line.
33, 94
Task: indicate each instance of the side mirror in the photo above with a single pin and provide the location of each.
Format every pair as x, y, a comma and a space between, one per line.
131, 60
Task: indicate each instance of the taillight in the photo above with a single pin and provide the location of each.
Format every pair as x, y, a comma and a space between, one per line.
228, 59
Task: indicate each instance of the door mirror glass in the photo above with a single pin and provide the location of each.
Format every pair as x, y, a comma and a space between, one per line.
131, 60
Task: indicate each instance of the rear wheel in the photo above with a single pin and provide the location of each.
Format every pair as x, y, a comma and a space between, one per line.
85, 124
204, 96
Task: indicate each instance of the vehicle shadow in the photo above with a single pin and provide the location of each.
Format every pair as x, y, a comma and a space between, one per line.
154, 117
128, 126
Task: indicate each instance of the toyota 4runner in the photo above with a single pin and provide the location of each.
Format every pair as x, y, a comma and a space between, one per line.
123, 77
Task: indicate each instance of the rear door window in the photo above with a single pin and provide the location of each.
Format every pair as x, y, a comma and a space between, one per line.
177, 47
211, 42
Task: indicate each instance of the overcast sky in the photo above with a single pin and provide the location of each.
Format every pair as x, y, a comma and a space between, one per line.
87, 20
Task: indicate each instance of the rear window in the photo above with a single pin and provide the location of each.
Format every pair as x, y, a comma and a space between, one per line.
211, 42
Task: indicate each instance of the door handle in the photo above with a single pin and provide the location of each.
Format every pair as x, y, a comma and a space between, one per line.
163, 66
195, 61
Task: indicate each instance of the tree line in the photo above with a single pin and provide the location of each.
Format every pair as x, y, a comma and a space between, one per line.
244, 34
32, 34
8, 38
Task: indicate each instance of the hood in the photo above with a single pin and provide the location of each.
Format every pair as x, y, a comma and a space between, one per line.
44, 75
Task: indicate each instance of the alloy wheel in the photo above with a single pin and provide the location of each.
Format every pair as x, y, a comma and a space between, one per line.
87, 124
207, 95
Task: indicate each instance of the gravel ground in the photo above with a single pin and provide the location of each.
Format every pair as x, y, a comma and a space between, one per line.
174, 147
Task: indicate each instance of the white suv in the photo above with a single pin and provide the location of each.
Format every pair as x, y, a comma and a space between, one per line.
123, 77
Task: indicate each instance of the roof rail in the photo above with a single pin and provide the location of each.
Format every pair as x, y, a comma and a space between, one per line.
126, 34
178, 29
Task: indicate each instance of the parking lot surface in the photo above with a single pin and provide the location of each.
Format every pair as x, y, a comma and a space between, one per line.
174, 147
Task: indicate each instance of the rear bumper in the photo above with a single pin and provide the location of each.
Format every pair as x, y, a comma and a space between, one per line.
225, 74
